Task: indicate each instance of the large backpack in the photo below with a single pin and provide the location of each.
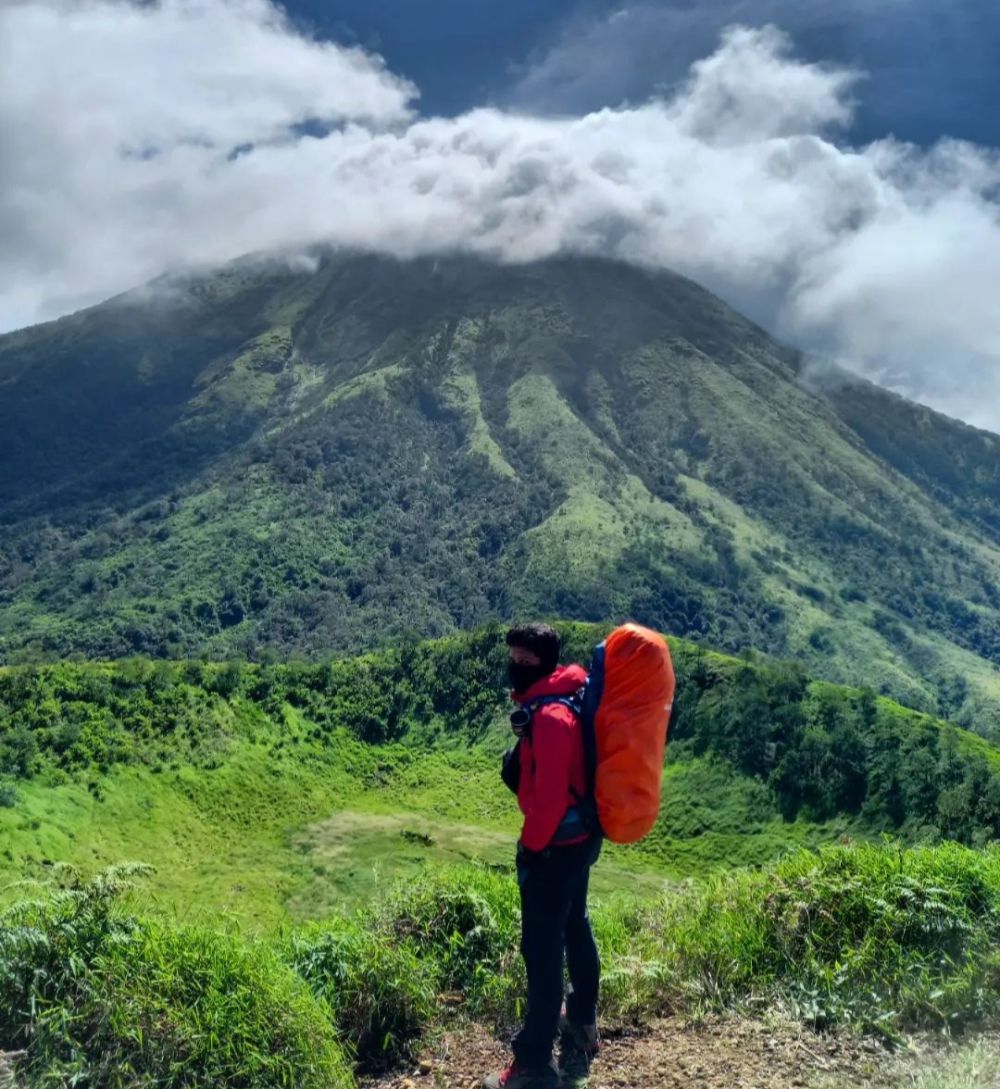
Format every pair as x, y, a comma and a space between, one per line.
624, 711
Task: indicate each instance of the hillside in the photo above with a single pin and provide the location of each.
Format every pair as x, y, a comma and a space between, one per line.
282, 791
333, 897
301, 459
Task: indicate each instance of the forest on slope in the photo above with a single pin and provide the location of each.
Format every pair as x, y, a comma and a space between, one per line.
224, 774
275, 460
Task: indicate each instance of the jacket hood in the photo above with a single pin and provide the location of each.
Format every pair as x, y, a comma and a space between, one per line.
562, 681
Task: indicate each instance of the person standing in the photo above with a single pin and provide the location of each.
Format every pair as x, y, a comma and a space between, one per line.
555, 853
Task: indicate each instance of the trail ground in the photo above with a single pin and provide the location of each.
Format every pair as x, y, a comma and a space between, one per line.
726, 1053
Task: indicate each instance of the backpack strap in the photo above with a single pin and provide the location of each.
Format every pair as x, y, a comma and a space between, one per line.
520, 720
572, 702
590, 699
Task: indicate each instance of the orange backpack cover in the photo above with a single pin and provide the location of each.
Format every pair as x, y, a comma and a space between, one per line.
629, 696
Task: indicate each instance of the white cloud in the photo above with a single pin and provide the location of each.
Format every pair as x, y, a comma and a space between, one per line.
885, 255
750, 90
117, 119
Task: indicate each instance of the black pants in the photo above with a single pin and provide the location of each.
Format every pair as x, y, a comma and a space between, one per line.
554, 920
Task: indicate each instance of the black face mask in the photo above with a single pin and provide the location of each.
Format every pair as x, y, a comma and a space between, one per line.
523, 676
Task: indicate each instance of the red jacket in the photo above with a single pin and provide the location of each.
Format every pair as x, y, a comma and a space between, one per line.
553, 763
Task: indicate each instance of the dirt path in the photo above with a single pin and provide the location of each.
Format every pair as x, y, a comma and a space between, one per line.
675, 1054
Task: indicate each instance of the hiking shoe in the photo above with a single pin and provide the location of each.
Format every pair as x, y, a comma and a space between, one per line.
578, 1047
516, 1076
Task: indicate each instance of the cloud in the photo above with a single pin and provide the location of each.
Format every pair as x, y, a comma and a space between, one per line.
928, 64
176, 138
119, 118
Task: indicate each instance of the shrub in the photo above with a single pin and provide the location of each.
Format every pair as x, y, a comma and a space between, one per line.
466, 920
879, 937
99, 996
381, 994
875, 937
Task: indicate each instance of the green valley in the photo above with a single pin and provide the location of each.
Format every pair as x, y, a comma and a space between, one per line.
331, 850
275, 792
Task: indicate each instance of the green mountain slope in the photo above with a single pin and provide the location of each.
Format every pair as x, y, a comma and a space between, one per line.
285, 790
282, 459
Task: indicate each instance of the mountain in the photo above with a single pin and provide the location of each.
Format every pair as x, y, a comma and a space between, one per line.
306, 457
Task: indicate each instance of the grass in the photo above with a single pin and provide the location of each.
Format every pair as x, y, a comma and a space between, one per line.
461, 392
363, 886
875, 938
272, 834
975, 1066
232, 839
283, 792
97, 995
267, 841
713, 819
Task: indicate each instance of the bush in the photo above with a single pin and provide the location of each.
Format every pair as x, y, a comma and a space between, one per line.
98, 996
466, 920
878, 937
382, 994
875, 937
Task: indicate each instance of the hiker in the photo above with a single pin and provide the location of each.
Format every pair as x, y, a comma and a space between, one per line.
548, 771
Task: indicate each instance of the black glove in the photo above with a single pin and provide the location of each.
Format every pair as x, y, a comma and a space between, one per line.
528, 858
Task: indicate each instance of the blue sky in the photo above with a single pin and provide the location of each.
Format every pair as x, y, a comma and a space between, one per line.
932, 66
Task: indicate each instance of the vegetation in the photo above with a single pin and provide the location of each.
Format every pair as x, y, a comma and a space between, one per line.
804, 749
269, 462
267, 466
970, 1067
99, 996
874, 937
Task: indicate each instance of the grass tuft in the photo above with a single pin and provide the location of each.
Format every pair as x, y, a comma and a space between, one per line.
382, 994
97, 995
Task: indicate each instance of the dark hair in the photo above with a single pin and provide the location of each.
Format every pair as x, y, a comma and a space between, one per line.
540, 639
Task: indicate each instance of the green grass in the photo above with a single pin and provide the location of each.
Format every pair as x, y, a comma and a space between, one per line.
266, 841
713, 819
876, 938
461, 392
281, 793
100, 996
236, 839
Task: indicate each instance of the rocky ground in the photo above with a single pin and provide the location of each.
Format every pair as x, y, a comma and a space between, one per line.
676, 1054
